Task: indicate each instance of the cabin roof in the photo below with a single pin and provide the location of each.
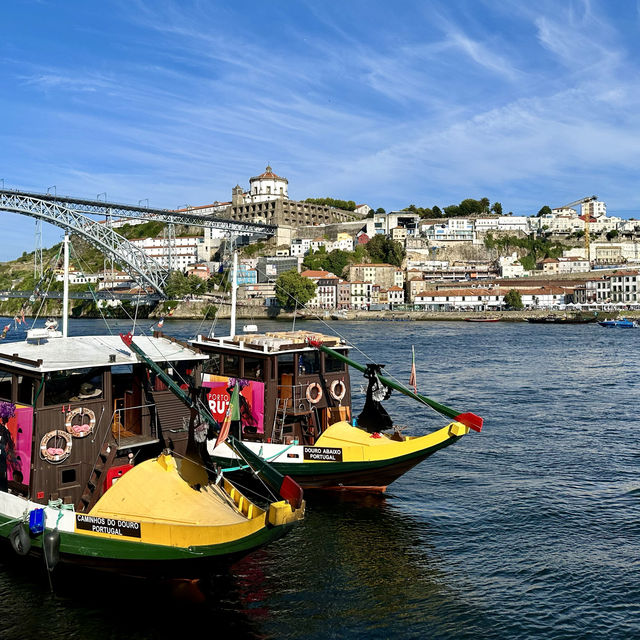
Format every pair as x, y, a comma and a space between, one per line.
79, 352
269, 342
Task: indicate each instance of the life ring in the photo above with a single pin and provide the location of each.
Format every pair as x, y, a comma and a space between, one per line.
338, 384
82, 428
314, 386
55, 455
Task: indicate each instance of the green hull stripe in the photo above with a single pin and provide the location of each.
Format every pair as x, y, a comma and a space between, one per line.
89, 546
302, 469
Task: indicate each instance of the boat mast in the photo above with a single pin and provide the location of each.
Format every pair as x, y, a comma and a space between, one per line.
234, 287
65, 294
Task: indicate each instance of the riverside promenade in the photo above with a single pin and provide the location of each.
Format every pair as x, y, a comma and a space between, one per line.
196, 309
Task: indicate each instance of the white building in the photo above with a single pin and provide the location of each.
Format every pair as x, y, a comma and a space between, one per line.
510, 267
343, 242
482, 299
384, 223
449, 230
514, 224
300, 246
267, 186
178, 255
78, 277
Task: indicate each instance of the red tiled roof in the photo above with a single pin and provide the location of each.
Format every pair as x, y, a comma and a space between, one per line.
268, 175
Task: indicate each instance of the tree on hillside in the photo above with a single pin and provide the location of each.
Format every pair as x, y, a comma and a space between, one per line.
436, 211
423, 212
513, 299
546, 210
612, 234
335, 261
347, 205
293, 290
314, 260
179, 285
496, 208
383, 249
453, 211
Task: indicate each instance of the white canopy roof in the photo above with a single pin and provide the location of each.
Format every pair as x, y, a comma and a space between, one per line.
80, 352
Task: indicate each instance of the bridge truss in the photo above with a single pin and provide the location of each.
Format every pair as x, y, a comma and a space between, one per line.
71, 214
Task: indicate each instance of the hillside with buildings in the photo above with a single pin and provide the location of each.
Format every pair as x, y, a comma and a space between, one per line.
361, 259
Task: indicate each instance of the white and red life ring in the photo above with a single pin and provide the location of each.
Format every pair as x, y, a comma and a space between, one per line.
338, 389
55, 455
314, 387
82, 429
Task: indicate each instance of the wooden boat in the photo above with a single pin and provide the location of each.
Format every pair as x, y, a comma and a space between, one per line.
622, 323
93, 468
297, 414
576, 318
483, 319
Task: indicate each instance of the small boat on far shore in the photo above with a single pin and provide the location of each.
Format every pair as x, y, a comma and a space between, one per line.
623, 323
575, 318
483, 319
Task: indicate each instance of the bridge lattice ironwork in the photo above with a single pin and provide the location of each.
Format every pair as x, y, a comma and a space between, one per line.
132, 259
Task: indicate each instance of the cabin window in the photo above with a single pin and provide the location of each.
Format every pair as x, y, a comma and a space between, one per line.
68, 475
73, 386
122, 379
25, 390
231, 366
5, 385
285, 364
253, 369
332, 365
180, 372
309, 362
212, 365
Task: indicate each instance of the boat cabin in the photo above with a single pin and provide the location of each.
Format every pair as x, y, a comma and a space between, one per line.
77, 412
289, 391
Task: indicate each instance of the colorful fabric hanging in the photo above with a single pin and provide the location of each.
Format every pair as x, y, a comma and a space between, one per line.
233, 413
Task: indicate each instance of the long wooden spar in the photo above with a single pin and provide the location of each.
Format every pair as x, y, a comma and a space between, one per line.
470, 420
286, 486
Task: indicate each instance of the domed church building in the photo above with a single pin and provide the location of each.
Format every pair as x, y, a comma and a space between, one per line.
268, 185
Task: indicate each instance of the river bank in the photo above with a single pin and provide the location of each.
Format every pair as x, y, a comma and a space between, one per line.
191, 310
198, 309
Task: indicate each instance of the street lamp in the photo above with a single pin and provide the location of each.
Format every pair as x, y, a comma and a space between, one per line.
144, 200
55, 191
104, 193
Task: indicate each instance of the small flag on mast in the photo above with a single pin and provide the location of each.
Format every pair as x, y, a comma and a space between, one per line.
412, 380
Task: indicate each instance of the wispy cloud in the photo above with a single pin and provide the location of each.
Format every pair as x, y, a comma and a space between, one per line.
428, 103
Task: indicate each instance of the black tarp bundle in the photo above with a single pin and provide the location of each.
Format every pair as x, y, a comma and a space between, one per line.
374, 416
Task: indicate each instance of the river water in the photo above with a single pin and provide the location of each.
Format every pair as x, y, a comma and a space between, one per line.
530, 529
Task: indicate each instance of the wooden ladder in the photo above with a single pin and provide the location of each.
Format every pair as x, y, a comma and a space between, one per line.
91, 492
278, 435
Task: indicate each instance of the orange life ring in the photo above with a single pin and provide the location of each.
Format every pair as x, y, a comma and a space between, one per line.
314, 386
82, 429
338, 395
55, 455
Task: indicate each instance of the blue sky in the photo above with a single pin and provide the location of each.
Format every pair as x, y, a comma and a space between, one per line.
422, 102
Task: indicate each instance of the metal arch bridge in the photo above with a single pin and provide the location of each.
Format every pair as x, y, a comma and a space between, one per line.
70, 214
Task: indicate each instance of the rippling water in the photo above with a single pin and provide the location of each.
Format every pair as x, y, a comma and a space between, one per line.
530, 529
